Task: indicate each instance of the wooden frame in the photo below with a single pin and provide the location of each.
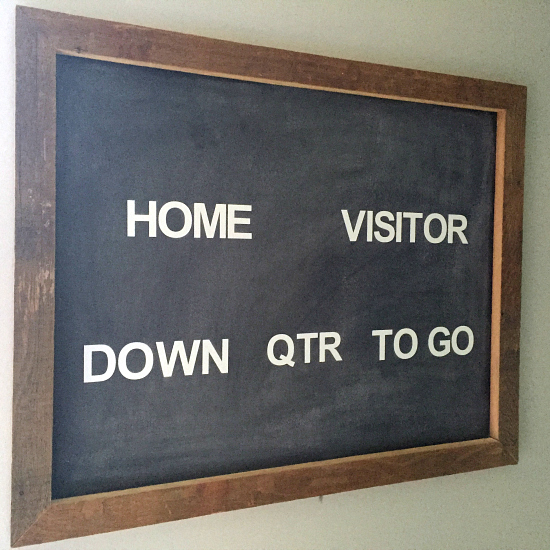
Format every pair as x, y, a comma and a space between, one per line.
40, 36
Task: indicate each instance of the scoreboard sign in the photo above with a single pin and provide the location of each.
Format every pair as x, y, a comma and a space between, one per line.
247, 275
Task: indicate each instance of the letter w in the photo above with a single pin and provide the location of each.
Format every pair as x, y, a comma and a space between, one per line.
178, 349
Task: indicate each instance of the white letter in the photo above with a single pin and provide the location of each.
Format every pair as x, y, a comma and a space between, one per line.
123, 368
232, 221
132, 218
219, 215
323, 346
445, 343
382, 343
307, 337
111, 363
412, 216
458, 230
398, 227
383, 225
427, 234
414, 343
208, 351
187, 219
353, 233
178, 348
369, 226
283, 359
454, 339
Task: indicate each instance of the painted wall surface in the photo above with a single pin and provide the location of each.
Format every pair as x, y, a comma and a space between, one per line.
505, 40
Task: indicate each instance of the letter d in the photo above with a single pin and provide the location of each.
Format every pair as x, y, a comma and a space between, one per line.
111, 363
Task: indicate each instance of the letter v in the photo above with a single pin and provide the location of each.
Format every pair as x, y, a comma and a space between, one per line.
353, 233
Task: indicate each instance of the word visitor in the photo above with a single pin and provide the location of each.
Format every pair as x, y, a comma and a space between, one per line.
402, 226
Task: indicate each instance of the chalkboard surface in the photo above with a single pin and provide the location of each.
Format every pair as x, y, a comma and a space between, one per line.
297, 157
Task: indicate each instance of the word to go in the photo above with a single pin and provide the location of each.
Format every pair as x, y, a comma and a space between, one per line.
439, 348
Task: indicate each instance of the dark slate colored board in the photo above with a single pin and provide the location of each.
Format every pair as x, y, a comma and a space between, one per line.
298, 157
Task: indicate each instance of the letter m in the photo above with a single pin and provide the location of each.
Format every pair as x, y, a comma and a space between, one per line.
201, 216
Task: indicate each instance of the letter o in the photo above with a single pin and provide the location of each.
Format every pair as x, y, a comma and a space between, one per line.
428, 235
397, 339
187, 219
123, 367
454, 339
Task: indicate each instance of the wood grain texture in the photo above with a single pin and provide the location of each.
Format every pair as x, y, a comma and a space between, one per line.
34, 279
512, 223
40, 36
497, 275
131, 508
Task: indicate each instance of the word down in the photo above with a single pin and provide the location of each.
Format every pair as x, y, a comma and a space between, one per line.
167, 364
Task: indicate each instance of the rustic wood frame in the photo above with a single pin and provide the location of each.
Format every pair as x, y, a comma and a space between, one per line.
40, 36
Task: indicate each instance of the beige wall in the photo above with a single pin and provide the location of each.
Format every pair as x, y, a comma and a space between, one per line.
499, 40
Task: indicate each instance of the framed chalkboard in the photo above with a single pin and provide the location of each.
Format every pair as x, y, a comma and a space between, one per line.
247, 275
